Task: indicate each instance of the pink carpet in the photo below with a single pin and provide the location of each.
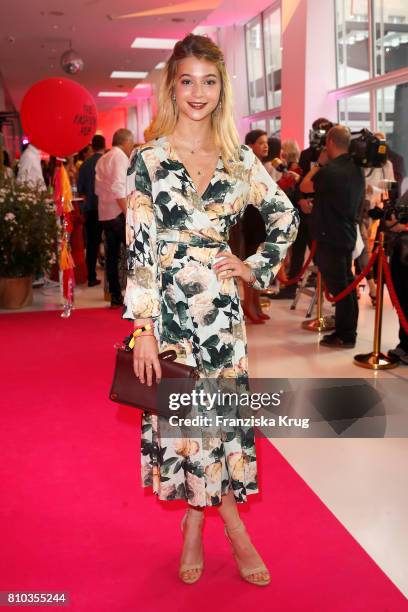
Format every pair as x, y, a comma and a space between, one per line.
74, 517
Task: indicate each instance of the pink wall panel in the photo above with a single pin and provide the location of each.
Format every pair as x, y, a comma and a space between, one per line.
110, 121
294, 18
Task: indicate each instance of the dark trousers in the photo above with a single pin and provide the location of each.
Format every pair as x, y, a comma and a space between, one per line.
399, 272
299, 248
115, 232
93, 231
335, 267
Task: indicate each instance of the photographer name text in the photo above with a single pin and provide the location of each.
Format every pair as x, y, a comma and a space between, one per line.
251, 421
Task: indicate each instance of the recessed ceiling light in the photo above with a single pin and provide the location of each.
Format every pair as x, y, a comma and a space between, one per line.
160, 65
154, 43
112, 94
128, 74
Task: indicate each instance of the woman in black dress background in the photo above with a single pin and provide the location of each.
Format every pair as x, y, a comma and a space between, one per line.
250, 231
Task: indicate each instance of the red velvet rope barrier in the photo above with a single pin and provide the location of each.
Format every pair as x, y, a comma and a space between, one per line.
295, 279
355, 282
393, 295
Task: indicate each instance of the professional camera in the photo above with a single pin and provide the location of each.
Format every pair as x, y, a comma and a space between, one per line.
367, 150
399, 209
317, 135
392, 205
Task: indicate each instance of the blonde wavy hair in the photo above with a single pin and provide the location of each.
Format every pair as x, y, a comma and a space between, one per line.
222, 118
291, 151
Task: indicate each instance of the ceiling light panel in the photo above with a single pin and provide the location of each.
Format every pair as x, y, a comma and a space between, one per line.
160, 66
128, 74
112, 94
154, 43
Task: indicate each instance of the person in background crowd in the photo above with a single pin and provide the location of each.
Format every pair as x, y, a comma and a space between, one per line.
50, 171
30, 173
377, 181
86, 188
44, 169
400, 173
274, 151
72, 173
29, 168
399, 272
8, 173
289, 179
290, 153
308, 158
338, 186
283, 168
110, 187
252, 229
83, 155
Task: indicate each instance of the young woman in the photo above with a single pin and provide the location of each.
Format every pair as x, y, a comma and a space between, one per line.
187, 187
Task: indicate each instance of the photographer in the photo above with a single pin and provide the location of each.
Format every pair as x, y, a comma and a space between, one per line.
338, 186
307, 160
398, 227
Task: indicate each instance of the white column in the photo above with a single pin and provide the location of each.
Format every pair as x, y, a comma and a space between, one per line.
232, 42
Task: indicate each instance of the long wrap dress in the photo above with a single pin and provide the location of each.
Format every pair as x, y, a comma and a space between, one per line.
173, 235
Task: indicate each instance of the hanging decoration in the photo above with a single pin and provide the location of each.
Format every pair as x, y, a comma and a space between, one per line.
58, 116
71, 61
63, 203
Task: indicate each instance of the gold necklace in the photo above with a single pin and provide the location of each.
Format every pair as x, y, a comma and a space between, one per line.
193, 151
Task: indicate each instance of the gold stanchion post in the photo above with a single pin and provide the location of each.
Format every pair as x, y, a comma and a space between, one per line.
376, 360
321, 323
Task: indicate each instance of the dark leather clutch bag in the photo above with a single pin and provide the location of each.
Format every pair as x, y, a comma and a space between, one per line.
127, 389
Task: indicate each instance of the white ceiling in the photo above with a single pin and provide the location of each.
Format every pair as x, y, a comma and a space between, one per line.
104, 44
34, 34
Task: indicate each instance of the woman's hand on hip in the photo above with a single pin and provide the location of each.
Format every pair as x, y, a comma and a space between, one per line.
229, 265
146, 359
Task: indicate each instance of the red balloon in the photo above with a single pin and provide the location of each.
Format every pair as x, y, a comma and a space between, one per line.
59, 116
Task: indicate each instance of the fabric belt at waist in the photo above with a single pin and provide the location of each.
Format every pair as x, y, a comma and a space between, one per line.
189, 239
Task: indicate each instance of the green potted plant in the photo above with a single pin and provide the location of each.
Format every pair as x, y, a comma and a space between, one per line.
28, 240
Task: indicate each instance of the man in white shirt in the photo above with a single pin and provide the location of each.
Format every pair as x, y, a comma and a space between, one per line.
29, 168
110, 187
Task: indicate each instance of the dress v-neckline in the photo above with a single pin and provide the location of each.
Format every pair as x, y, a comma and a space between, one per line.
172, 154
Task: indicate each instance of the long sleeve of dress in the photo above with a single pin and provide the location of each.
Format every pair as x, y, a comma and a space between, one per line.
281, 222
142, 288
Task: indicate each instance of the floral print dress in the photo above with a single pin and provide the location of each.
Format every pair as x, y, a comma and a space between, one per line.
173, 235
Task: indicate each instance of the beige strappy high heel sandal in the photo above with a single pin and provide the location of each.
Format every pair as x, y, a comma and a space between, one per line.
190, 573
249, 574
